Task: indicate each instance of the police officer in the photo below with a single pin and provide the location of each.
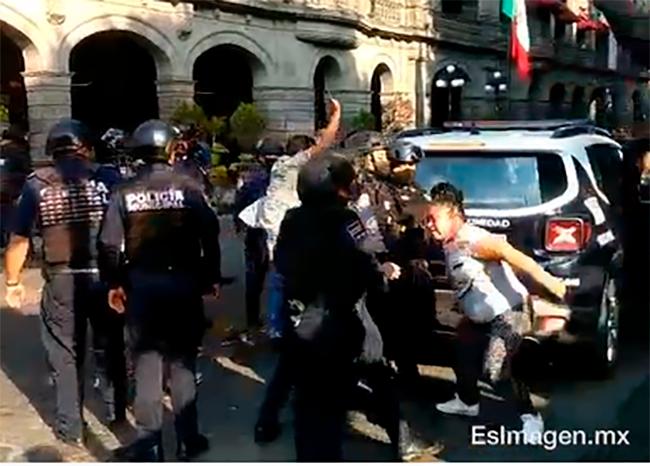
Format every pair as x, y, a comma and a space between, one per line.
387, 203
326, 274
66, 201
171, 256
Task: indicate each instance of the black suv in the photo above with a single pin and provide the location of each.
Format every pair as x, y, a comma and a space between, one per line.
553, 189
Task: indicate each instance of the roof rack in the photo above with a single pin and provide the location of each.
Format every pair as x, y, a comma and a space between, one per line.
575, 130
505, 125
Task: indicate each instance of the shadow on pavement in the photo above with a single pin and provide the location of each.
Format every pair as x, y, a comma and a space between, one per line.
24, 361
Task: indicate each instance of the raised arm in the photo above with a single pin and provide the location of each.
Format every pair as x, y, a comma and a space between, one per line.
493, 248
328, 135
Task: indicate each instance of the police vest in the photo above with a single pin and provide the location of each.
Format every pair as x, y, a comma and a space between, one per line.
161, 231
70, 214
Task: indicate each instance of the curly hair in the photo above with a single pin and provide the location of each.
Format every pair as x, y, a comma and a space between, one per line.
446, 194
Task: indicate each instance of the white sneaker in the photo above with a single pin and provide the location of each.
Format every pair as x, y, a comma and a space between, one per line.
456, 406
533, 428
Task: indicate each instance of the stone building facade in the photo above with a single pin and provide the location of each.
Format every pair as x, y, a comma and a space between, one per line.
440, 55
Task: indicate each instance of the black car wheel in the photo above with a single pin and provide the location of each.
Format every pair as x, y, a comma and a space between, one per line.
606, 343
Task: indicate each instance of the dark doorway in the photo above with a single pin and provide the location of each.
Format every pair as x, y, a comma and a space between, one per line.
327, 71
578, 106
380, 84
113, 81
556, 101
12, 85
224, 79
447, 95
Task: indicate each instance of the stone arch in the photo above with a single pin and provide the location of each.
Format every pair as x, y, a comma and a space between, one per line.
381, 89
219, 93
98, 81
327, 75
153, 40
384, 60
37, 51
260, 59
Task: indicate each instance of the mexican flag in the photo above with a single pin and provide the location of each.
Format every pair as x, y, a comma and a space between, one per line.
520, 39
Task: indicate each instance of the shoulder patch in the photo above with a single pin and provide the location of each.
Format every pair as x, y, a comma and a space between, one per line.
356, 231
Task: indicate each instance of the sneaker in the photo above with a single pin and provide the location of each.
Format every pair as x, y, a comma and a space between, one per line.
533, 428
457, 406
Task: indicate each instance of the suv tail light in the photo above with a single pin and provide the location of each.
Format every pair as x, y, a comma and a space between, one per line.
567, 234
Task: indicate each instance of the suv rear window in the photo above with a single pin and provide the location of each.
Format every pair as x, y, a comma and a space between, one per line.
502, 180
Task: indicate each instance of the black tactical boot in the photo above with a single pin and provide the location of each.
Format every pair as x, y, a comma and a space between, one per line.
192, 448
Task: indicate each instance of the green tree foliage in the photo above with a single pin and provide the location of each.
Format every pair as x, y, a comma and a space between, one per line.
247, 125
189, 113
363, 120
4, 114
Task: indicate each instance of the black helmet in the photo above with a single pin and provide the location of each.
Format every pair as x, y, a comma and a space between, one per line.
66, 137
269, 146
401, 151
322, 178
150, 140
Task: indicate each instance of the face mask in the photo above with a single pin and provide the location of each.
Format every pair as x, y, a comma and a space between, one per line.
403, 175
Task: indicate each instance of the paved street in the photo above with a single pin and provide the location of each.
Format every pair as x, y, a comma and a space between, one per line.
234, 384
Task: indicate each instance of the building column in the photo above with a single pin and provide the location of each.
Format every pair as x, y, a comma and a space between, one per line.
48, 101
171, 93
288, 110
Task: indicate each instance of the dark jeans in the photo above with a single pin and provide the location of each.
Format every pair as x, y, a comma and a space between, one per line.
281, 383
68, 302
490, 348
257, 265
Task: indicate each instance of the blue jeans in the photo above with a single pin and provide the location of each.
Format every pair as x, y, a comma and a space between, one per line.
275, 303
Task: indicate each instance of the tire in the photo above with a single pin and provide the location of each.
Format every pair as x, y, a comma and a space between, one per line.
604, 350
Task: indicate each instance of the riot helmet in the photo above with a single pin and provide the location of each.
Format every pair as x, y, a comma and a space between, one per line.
269, 146
401, 151
69, 137
151, 140
110, 145
328, 179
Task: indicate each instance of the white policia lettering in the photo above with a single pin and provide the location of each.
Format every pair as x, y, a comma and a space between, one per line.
155, 200
490, 222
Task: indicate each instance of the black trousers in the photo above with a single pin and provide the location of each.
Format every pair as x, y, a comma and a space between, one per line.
490, 349
405, 316
322, 390
68, 303
375, 393
165, 324
257, 265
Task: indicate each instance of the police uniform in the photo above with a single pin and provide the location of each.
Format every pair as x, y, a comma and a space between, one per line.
67, 202
171, 256
326, 274
406, 313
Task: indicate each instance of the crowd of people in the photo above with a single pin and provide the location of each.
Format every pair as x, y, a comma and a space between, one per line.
343, 236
